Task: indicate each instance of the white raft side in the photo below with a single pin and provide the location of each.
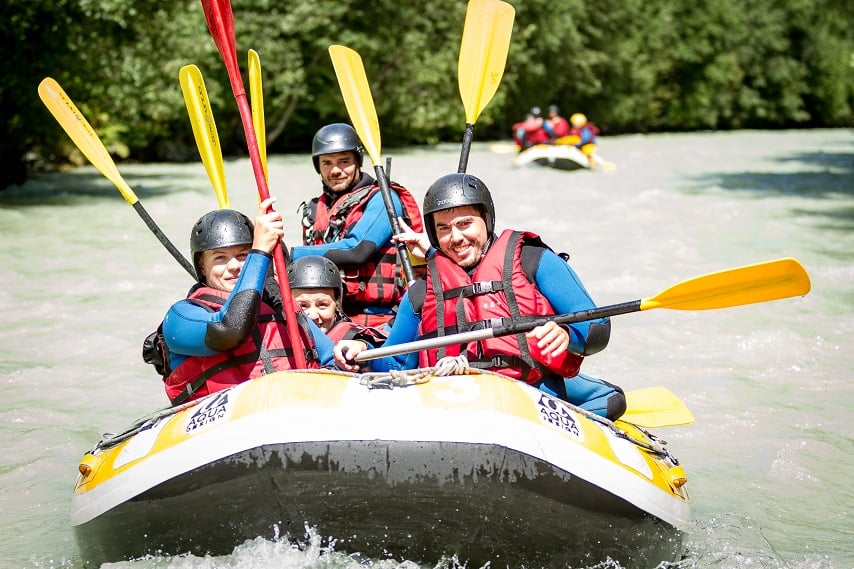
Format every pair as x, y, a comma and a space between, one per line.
155, 469
398, 415
629, 477
552, 152
672, 509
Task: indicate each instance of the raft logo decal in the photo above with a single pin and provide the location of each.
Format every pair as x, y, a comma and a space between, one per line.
553, 412
214, 409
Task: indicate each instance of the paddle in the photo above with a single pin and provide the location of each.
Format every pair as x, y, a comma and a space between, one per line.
360, 106
596, 161
655, 407
771, 280
84, 137
256, 97
221, 25
483, 54
204, 129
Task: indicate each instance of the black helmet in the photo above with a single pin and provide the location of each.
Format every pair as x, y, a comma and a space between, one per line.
219, 228
335, 137
455, 190
314, 271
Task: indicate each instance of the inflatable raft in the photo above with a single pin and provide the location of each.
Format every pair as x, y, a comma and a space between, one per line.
561, 156
420, 466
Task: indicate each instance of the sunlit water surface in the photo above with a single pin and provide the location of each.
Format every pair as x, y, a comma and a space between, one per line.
769, 458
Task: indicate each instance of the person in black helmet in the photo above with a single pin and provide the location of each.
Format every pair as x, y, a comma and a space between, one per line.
556, 124
348, 224
228, 330
317, 288
531, 131
475, 277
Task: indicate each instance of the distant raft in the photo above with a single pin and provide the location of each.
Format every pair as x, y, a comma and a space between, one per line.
418, 467
561, 156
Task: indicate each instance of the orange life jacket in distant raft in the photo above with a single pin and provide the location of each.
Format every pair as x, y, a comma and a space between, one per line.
265, 350
379, 282
498, 292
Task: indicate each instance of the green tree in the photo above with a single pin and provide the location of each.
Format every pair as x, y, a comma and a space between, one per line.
631, 65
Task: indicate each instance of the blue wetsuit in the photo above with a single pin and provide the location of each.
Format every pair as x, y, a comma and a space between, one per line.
192, 330
586, 136
366, 237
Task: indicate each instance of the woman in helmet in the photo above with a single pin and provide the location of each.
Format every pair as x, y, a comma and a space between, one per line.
349, 225
317, 288
228, 330
475, 277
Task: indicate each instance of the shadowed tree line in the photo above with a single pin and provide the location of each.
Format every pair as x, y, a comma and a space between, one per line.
631, 65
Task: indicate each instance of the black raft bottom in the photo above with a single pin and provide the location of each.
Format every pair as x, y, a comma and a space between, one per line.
402, 500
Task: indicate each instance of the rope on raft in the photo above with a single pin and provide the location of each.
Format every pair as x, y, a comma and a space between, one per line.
459, 365
451, 365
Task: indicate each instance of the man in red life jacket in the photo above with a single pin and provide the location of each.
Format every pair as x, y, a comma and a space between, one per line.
559, 125
348, 224
475, 278
317, 288
530, 131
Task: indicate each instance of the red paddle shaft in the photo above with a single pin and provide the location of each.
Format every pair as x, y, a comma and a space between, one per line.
220, 21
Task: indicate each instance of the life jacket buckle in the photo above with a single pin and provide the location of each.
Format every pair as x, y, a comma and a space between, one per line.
483, 287
352, 273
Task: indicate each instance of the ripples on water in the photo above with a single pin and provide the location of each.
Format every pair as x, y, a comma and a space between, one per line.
768, 460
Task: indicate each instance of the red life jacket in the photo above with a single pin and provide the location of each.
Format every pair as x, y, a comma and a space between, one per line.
560, 126
534, 131
496, 293
349, 330
267, 349
379, 282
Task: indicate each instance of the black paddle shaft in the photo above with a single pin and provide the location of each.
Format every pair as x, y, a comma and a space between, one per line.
580, 316
499, 330
141, 211
402, 251
468, 137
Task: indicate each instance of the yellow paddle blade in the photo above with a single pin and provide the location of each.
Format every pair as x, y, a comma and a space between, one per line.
256, 96
83, 135
655, 407
357, 98
605, 165
204, 129
483, 53
761, 282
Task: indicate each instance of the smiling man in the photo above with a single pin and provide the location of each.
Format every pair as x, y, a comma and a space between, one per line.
477, 278
349, 225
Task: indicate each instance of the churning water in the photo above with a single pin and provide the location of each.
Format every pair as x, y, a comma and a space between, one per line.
769, 459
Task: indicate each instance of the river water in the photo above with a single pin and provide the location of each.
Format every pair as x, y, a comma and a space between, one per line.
769, 459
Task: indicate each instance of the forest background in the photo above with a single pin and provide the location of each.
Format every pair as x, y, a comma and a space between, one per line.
629, 65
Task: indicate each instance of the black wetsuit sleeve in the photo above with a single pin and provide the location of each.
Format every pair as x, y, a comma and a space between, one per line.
236, 323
